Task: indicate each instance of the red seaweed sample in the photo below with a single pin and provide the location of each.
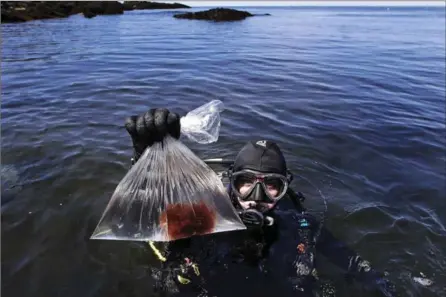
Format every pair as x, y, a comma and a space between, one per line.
186, 220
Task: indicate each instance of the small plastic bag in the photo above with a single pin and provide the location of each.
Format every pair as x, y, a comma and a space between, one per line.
202, 124
170, 193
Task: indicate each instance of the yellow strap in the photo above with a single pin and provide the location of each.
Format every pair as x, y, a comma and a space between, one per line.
183, 280
157, 252
196, 270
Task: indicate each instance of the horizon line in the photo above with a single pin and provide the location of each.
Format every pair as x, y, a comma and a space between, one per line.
198, 3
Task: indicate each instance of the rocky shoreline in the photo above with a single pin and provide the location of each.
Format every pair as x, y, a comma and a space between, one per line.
23, 11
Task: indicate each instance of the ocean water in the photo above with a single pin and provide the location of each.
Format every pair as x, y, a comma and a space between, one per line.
355, 97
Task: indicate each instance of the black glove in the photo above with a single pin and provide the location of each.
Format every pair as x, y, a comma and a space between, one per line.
150, 127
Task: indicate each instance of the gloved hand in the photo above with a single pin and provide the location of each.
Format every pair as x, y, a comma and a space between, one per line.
150, 127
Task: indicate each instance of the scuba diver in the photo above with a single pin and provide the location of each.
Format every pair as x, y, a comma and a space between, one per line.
258, 181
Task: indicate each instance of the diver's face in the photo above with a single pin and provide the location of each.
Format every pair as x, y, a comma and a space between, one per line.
247, 185
261, 206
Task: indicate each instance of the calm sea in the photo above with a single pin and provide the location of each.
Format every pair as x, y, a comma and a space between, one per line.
355, 97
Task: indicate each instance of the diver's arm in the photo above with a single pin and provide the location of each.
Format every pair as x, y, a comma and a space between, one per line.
347, 259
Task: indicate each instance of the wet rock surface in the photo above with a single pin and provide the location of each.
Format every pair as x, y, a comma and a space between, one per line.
216, 14
22, 11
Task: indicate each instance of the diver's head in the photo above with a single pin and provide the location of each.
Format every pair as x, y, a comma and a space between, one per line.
259, 177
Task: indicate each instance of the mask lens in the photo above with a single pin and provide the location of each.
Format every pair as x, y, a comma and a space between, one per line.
244, 183
274, 184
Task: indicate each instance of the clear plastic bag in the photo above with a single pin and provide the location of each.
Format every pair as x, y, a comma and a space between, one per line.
202, 124
170, 193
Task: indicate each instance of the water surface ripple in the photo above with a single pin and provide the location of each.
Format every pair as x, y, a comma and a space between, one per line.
354, 96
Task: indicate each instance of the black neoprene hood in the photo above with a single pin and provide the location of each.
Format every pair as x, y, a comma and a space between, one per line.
263, 156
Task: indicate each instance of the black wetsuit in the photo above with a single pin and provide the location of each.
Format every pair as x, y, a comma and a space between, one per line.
276, 260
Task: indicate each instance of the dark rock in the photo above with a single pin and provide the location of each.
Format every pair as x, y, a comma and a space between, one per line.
68, 8
133, 5
89, 14
26, 11
113, 7
93, 9
22, 11
14, 16
216, 14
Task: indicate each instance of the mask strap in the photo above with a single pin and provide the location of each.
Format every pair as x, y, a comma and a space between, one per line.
289, 176
230, 171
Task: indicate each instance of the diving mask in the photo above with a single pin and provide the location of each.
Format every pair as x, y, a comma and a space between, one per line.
250, 185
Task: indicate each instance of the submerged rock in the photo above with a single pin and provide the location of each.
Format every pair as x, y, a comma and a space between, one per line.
216, 14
